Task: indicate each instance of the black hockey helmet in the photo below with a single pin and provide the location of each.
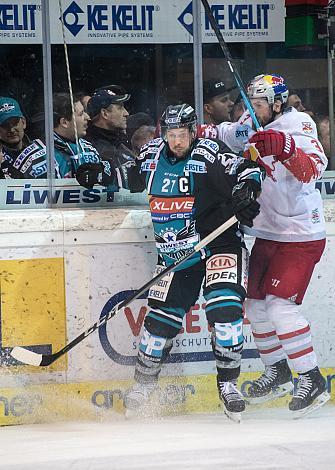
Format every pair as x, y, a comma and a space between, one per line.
177, 116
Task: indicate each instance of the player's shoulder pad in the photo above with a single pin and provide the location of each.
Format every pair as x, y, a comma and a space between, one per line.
209, 149
151, 148
299, 122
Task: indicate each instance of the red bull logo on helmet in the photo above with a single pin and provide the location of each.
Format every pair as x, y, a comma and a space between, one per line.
274, 79
277, 83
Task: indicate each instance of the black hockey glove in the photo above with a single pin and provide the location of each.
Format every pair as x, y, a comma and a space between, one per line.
245, 206
89, 174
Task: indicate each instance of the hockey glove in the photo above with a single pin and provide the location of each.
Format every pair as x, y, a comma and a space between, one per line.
276, 143
89, 174
244, 203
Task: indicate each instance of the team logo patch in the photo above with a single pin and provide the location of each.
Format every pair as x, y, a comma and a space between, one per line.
315, 216
221, 268
6, 108
307, 127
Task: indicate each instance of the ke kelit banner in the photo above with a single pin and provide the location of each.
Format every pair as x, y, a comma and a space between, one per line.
141, 21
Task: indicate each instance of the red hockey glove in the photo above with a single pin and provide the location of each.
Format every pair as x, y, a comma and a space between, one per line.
276, 143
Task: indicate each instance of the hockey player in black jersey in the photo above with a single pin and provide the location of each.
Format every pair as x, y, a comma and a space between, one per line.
193, 186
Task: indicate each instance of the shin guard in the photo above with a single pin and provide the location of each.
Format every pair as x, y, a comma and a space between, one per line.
152, 352
227, 344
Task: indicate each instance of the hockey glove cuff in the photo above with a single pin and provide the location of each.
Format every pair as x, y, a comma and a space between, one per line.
276, 143
244, 203
246, 216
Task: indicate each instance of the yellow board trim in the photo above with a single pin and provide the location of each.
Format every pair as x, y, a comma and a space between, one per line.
32, 294
104, 400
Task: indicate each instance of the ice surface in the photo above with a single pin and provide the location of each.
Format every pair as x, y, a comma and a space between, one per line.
267, 439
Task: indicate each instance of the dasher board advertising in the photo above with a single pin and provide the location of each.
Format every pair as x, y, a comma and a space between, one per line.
141, 21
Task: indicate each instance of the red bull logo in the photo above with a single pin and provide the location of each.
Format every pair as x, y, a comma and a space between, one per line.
273, 79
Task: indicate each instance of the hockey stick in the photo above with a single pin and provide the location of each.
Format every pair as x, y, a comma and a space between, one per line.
229, 59
35, 359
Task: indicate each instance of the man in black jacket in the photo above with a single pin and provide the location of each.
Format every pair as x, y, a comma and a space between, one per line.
107, 129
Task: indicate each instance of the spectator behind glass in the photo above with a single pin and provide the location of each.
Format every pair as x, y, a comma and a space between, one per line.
217, 103
322, 124
12, 125
141, 136
107, 129
137, 120
22, 158
294, 100
238, 109
84, 99
2, 160
76, 159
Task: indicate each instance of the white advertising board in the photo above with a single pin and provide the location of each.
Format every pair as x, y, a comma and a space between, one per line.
115, 271
61, 271
102, 268
141, 22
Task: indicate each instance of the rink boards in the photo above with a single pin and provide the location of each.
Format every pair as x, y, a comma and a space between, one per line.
62, 270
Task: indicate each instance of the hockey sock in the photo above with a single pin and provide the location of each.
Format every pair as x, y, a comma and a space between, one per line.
264, 332
293, 331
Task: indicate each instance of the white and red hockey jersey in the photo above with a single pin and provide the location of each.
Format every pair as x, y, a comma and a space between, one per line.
291, 206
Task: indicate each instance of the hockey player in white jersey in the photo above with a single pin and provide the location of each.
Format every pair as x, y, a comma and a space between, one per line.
290, 239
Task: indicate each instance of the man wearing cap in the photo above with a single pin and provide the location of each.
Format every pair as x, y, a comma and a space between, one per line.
21, 158
107, 129
217, 104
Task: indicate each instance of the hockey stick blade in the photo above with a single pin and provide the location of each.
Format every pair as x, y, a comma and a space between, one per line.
32, 358
25, 356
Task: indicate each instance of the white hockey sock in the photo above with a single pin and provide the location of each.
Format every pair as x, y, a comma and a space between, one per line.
293, 331
264, 332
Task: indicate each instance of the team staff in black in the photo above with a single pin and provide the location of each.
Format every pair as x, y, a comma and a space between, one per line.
107, 129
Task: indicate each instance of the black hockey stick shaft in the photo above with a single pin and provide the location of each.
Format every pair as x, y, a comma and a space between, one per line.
229, 59
29, 357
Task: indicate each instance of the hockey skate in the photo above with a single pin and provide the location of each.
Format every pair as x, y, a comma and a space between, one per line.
136, 399
310, 395
275, 382
232, 399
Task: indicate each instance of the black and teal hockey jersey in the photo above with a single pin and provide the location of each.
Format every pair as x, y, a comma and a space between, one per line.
190, 197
